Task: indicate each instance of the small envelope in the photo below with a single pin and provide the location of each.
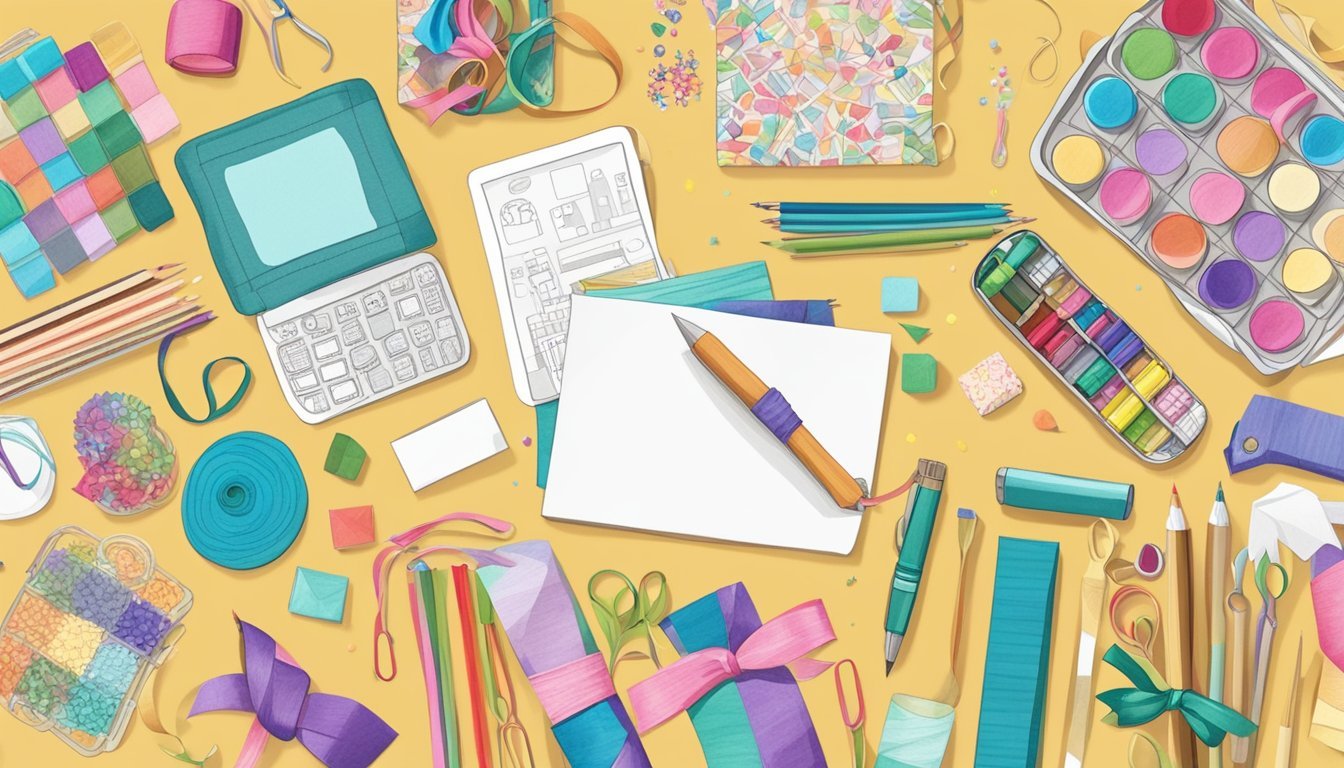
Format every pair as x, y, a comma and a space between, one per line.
351, 527
318, 595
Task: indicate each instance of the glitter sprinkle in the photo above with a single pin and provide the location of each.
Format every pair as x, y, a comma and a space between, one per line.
527, 441
677, 84
961, 446
690, 185
910, 437
850, 581
983, 101
713, 239
993, 45
951, 319
515, 483
129, 464
659, 50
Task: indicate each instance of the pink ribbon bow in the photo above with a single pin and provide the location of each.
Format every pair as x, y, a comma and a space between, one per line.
785, 640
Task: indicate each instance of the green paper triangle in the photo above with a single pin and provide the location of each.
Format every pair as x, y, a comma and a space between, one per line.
917, 332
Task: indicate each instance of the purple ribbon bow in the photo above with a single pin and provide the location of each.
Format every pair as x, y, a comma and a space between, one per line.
339, 732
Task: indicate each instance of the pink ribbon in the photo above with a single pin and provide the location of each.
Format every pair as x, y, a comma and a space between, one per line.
785, 640
571, 688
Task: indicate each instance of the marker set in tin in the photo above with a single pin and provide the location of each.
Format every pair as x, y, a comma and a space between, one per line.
1105, 363
1216, 153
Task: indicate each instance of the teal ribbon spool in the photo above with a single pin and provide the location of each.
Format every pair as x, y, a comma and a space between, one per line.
245, 501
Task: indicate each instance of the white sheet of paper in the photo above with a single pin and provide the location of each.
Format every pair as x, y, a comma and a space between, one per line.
549, 219
647, 438
1295, 517
447, 446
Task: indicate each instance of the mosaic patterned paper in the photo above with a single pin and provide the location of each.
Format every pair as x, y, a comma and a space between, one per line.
825, 82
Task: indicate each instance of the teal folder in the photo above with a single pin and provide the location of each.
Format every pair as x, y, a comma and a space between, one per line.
302, 195
749, 281
1017, 663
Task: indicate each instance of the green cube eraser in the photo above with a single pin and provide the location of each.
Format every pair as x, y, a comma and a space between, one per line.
346, 457
919, 373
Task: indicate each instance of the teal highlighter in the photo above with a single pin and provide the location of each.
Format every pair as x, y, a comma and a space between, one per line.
921, 509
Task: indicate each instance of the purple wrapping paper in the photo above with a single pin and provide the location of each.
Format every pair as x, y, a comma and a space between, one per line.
758, 718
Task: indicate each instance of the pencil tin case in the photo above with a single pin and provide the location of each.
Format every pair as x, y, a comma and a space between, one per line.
1120, 380
1216, 153
89, 625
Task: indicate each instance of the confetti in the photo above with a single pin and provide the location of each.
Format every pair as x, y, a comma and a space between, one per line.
1044, 421
689, 185
673, 15
961, 446
910, 437
951, 319
850, 581
129, 464
983, 101
676, 84
659, 50
993, 45
527, 441
713, 240
658, 29
673, 33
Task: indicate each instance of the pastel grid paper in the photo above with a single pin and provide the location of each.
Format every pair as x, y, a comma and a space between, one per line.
825, 82
990, 384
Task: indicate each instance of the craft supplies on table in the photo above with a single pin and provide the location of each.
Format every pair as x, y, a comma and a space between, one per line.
1179, 636
29, 475
779, 503
1102, 539
467, 436
88, 627
736, 679
101, 325
351, 527
1047, 492
1017, 662
129, 462
1214, 152
1273, 431
314, 224
75, 180
245, 501
1125, 384
771, 51
552, 218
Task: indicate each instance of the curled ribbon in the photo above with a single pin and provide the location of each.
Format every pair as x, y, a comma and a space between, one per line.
339, 732
620, 626
784, 641
1151, 697
1140, 633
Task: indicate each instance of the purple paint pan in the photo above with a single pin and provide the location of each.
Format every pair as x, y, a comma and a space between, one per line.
1160, 152
1258, 236
1227, 284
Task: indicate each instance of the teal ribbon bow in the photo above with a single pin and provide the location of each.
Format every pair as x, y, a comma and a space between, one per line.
1210, 720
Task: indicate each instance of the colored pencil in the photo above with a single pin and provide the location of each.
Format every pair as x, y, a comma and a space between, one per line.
897, 250
1216, 569
80, 304
1179, 640
884, 218
812, 207
879, 240
842, 228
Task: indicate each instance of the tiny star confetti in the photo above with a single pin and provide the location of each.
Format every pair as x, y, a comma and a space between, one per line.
129, 464
676, 84
910, 437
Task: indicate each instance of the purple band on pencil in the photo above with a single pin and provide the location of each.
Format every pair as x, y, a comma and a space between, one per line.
777, 415
85, 66
203, 37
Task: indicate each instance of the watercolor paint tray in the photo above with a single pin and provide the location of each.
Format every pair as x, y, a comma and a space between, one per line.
1206, 126
88, 627
1121, 381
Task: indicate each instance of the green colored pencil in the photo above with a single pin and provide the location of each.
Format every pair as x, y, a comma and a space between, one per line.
878, 240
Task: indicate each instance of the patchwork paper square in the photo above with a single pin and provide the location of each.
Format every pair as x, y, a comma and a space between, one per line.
16, 242
103, 186
45, 221
32, 275
132, 167
990, 384
40, 59
16, 161
7, 129
70, 120
155, 118
919, 373
64, 251
151, 206
61, 171
11, 207
351, 527
120, 220
318, 595
101, 102
88, 153
137, 85
900, 294
25, 108
94, 237
825, 82
56, 90
12, 79
34, 189
74, 202
118, 133
43, 140
86, 66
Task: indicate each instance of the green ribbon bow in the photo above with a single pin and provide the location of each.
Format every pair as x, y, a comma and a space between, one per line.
631, 614
1210, 720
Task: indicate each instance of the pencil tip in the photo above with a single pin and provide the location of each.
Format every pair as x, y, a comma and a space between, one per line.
890, 664
1219, 495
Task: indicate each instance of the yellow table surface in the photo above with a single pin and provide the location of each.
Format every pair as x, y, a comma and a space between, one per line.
695, 201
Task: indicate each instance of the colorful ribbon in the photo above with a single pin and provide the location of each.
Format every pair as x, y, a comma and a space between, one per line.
784, 641
339, 732
213, 409
404, 542
858, 744
1151, 697
45, 461
1140, 633
622, 626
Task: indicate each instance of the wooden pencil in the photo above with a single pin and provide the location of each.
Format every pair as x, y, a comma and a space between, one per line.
80, 304
1216, 569
1283, 757
126, 302
90, 336
858, 228
1179, 640
880, 240
897, 250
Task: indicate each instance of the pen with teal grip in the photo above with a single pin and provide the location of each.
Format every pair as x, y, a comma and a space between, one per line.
921, 509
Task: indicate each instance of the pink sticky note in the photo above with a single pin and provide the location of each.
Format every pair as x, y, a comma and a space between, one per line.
136, 85
55, 90
75, 202
94, 237
155, 118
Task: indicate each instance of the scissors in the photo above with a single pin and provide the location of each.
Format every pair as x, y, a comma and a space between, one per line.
277, 11
1236, 653
1264, 634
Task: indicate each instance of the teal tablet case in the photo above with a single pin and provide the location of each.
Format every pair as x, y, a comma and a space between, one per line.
279, 193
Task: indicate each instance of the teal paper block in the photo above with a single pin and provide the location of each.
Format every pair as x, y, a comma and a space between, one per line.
919, 373
12, 79
61, 171
151, 206
100, 102
900, 294
88, 152
318, 595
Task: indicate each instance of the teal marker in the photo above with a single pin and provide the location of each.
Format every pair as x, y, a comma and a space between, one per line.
921, 509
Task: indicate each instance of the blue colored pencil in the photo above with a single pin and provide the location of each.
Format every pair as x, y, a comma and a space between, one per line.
879, 207
938, 217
